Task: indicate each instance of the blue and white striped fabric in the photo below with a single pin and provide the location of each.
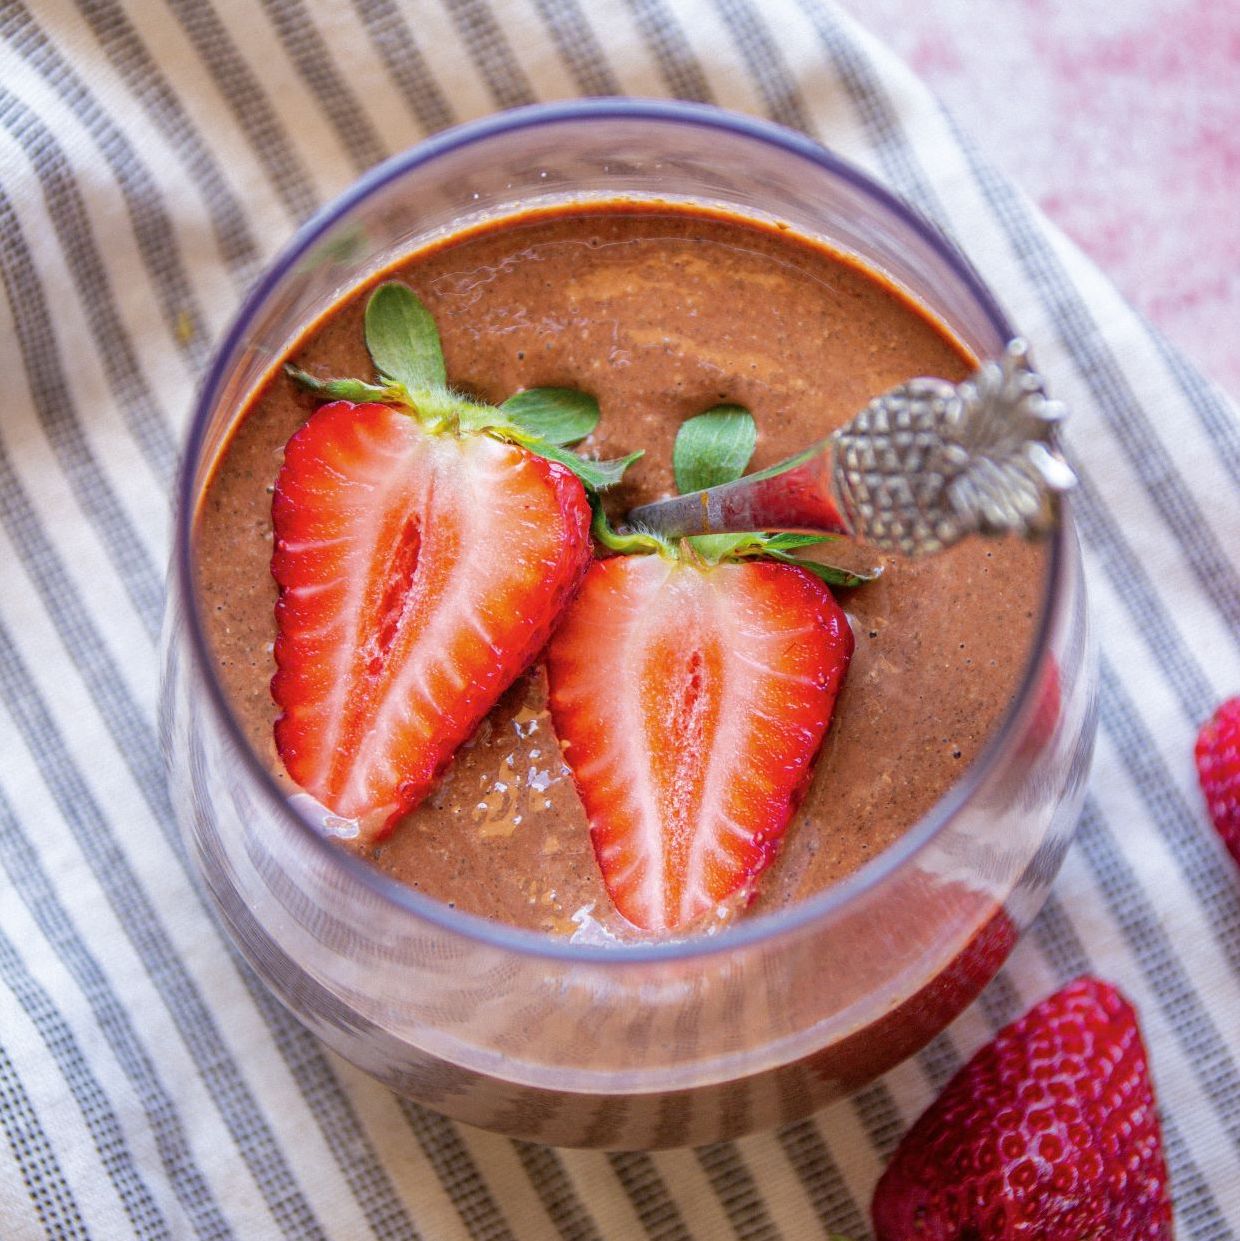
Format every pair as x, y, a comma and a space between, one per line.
152, 157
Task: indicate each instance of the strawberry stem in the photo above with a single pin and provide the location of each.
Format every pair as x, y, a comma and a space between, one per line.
627, 542
347, 389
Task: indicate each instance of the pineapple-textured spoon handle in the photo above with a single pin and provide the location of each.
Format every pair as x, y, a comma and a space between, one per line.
917, 470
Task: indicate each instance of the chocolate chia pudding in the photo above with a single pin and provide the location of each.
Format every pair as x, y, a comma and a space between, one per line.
660, 311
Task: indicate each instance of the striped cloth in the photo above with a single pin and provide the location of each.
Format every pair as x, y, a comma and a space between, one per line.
152, 158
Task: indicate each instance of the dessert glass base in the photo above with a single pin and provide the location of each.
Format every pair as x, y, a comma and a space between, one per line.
646, 1044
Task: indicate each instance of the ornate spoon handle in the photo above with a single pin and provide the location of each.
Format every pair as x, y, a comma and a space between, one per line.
917, 470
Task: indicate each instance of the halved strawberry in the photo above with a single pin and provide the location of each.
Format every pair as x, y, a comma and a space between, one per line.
420, 573
691, 701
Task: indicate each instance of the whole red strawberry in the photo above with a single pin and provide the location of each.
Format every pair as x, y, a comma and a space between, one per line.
1218, 769
1050, 1133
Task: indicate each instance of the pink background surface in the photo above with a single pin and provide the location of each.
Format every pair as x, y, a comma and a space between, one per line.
1122, 121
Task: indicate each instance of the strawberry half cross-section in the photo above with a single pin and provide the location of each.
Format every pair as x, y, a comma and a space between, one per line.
691, 701
419, 574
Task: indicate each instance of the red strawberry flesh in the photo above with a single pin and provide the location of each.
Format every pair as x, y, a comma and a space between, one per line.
1218, 769
419, 575
1050, 1133
691, 702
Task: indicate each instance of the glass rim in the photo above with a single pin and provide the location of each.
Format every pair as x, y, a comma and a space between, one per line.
749, 931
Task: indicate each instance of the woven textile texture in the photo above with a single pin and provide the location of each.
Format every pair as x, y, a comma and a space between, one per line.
153, 156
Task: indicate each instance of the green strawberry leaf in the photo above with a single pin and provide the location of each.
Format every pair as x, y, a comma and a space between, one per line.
557, 415
716, 547
786, 542
831, 574
595, 475
846, 579
347, 389
403, 339
713, 448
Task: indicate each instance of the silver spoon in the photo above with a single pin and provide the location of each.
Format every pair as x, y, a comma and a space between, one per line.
917, 470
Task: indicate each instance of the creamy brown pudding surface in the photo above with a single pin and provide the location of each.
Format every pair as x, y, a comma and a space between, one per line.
660, 313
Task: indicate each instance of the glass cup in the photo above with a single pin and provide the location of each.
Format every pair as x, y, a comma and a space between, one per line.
632, 1045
